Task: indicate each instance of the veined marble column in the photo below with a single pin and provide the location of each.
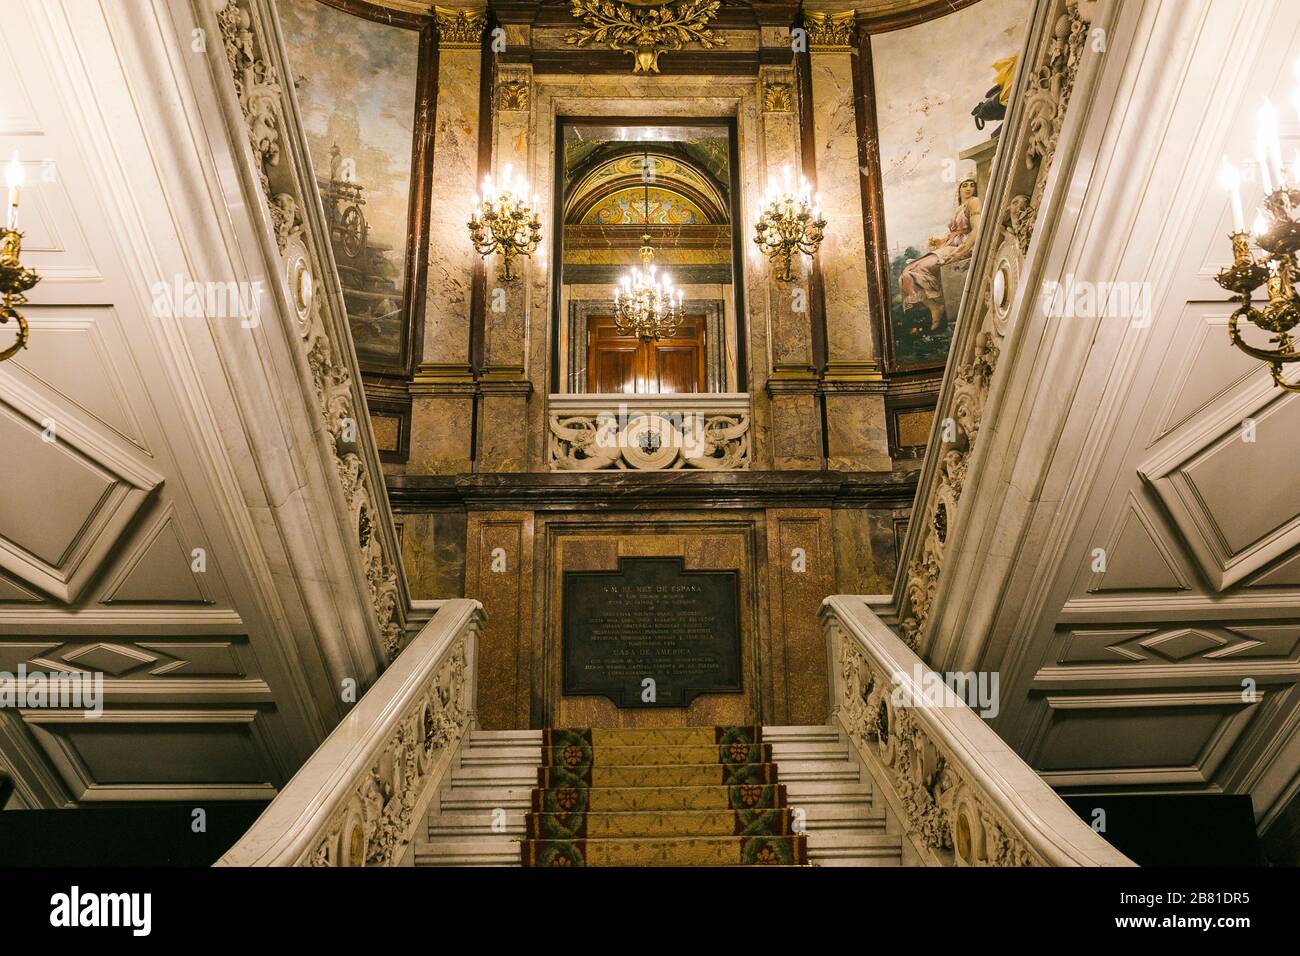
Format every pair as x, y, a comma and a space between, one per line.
503, 382
443, 389
852, 381
792, 381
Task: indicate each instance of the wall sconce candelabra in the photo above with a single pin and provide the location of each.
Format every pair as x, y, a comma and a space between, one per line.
507, 223
789, 224
14, 279
643, 303
1276, 231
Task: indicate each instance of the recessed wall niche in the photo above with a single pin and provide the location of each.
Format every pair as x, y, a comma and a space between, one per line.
631, 185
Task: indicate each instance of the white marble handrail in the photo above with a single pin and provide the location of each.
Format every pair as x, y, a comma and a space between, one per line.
358, 799
963, 795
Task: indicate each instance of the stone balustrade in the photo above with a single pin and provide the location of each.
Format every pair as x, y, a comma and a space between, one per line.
710, 432
359, 798
963, 796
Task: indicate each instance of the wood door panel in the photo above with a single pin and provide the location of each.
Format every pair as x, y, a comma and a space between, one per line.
622, 363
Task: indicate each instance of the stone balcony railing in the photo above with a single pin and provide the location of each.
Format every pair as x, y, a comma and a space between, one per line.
962, 794
709, 432
1061, 45
359, 798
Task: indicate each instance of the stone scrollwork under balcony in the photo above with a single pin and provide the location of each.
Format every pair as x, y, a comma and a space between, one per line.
650, 432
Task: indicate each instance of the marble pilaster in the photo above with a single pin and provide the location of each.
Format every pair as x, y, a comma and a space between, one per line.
503, 380
852, 381
442, 392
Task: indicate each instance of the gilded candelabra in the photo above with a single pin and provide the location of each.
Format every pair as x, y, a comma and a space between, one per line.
788, 224
1276, 232
507, 223
14, 279
644, 305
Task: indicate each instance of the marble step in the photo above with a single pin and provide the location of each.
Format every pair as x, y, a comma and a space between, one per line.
456, 824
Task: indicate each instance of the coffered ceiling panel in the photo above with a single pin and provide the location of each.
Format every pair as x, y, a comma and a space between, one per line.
1136, 556
1139, 738
17, 109
76, 367
59, 548
1235, 501
1210, 369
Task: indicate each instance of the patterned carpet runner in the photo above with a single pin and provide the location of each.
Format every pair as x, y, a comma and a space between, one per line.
689, 796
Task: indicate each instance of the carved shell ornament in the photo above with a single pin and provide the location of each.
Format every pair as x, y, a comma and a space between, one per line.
645, 30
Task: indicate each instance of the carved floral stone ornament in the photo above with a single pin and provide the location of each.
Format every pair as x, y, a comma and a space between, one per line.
777, 98
459, 29
261, 96
645, 30
830, 31
1030, 151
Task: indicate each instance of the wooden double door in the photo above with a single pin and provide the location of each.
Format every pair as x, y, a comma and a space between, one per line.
624, 363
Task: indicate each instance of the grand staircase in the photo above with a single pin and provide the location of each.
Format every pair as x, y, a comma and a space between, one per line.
688, 796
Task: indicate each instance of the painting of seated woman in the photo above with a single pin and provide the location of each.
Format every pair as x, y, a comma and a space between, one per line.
938, 120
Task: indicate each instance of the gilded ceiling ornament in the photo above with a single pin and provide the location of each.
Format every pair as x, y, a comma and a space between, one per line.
459, 29
830, 31
645, 31
777, 98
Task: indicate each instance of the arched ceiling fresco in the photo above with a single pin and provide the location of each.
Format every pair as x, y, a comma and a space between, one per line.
618, 191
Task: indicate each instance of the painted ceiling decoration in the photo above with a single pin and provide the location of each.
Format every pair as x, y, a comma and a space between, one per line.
615, 193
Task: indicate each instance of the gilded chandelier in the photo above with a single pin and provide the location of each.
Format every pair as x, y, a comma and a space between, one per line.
14, 279
643, 301
789, 224
1276, 231
507, 223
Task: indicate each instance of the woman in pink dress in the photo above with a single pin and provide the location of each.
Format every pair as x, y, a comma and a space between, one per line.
920, 282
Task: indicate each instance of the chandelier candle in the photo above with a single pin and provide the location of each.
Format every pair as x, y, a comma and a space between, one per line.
789, 224
1276, 231
506, 223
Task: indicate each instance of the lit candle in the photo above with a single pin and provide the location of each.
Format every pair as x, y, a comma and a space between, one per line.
1262, 162
1270, 145
14, 175
1261, 224
1232, 183
785, 178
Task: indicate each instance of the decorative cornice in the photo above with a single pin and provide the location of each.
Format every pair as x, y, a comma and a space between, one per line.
648, 491
459, 29
830, 31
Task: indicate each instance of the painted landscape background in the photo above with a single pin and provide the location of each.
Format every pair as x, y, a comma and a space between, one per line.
356, 86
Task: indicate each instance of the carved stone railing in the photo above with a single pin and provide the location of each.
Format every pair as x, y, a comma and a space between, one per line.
997, 292
649, 432
280, 185
359, 798
963, 796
